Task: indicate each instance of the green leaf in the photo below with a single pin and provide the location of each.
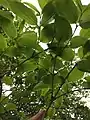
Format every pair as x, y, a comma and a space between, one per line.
24, 12
65, 87
80, 52
47, 33
86, 85
75, 75
25, 50
41, 86
9, 28
63, 72
87, 78
3, 43
63, 29
58, 102
46, 62
51, 112
11, 106
21, 26
24, 100
48, 12
85, 33
86, 47
2, 110
30, 78
42, 3
7, 80
6, 14
67, 9
68, 54
77, 41
4, 99
84, 65
44, 91
4, 3
41, 72
12, 51
85, 18
29, 66
28, 39
79, 4
32, 7
58, 64
47, 79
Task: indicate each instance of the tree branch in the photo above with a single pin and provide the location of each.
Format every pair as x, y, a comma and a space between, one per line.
53, 75
65, 79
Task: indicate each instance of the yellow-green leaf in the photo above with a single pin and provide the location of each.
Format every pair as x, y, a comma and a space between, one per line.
9, 28
7, 80
11, 106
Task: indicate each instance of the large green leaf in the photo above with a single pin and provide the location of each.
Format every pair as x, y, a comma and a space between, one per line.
28, 39
48, 13
75, 75
77, 41
24, 12
84, 65
67, 9
63, 29
9, 28
85, 33
85, 18
68, 54
47, 33
3, 43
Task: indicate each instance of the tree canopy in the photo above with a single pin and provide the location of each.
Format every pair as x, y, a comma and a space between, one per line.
55, 77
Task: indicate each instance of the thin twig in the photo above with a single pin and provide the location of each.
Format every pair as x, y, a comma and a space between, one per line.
31, 57
53, 75
65, 80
